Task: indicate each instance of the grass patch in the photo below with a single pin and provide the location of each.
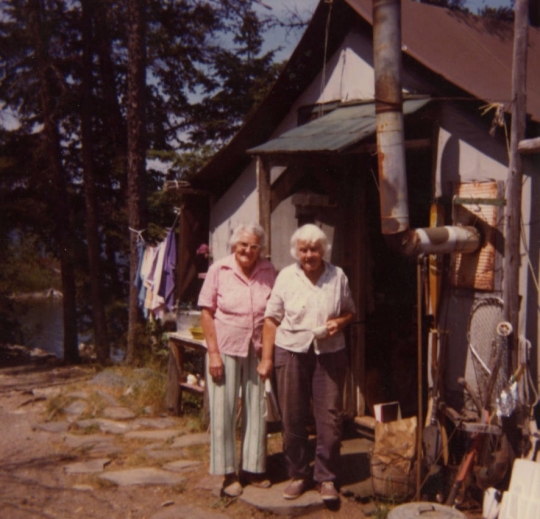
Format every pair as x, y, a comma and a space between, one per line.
56, 405
382, 510
90, 429
199, 452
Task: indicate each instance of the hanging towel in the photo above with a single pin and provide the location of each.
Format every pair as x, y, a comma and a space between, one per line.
166, 287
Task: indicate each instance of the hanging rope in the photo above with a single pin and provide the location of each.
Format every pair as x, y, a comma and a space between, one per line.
326, 34
138, 233
498, 121
178, 212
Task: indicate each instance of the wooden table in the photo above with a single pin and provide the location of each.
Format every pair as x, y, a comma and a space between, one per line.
177, 383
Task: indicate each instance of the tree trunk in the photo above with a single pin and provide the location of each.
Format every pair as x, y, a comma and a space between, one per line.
60, 200
101, 339
136, 158
117, 133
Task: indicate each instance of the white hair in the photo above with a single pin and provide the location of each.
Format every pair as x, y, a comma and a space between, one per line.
251, 228
310, 234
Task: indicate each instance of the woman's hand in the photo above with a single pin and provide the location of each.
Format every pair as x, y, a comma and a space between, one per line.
266, 365
332, 326
264, 369
215, 366
335, 325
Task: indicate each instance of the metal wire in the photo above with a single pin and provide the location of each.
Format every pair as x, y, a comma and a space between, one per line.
485, 345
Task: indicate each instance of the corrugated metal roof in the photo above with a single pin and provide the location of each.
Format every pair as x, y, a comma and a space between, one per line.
472, 52
342, 128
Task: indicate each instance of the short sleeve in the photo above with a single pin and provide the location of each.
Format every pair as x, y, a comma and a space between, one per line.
347, 302
274, 307
208, 294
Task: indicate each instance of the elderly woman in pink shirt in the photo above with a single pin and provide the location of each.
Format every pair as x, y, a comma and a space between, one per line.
233, 300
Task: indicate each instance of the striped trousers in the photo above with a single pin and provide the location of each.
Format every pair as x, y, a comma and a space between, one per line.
239, 374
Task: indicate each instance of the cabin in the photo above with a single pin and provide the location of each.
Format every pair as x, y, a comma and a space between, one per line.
309, 153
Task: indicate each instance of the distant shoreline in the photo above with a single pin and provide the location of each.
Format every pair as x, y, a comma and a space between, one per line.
50, 293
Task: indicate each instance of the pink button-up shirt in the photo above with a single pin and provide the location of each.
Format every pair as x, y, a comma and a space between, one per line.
238, 303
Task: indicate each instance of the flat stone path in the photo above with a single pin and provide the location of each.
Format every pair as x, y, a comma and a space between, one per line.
113, 452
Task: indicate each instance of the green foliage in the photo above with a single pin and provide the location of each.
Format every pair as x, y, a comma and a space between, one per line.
498, 13
381, 511
26, 267
205, 72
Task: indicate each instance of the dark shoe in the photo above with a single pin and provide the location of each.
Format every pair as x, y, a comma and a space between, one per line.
256, 480
328, 491
231, 486
295, 488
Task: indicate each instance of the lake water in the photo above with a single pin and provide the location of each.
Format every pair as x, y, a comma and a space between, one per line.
42, 327
41, 323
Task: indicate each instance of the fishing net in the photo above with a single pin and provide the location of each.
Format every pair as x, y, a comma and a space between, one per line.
488, 348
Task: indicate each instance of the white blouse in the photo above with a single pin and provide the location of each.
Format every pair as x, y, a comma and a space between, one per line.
300, 307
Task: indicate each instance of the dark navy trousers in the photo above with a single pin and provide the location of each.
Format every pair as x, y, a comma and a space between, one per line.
302, 379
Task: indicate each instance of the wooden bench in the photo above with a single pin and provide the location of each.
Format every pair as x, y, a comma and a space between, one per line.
177, 383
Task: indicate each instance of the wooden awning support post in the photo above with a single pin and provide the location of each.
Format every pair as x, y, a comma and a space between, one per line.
529, 146
265, 211
515, 174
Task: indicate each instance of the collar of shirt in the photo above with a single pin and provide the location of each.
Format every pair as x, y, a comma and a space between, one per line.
305, 279
262, 264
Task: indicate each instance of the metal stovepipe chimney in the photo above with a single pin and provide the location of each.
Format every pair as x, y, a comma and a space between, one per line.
394, 203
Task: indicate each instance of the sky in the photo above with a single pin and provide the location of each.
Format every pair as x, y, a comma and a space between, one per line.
288, 41
281, 8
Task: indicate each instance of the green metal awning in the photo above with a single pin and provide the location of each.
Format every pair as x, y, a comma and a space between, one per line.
344, 127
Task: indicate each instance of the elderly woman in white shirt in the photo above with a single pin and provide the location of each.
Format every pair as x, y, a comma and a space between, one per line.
303, 342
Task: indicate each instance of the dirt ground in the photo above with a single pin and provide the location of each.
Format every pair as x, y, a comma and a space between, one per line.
34, 482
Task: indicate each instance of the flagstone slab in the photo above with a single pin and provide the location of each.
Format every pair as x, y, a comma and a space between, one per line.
87, 467
118, 413
114, 427
104, 449
110, 399
107, 426
163, 434
47, 392
189, 440
85, 440
272, 500
52, 427
76, 408
110, 379
83, 488
182, 465
94, 444
81, 395
156, 423
164, 454
143, 476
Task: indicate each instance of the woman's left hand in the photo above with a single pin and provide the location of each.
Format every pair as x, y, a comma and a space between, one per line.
332, 326
337, 323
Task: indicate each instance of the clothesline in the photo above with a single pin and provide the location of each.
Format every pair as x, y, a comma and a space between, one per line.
155, 276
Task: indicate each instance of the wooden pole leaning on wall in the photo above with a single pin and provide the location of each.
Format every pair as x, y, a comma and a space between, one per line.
264, 190
420, 267
514, 180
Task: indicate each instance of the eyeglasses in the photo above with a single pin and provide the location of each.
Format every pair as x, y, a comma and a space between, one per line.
254, 247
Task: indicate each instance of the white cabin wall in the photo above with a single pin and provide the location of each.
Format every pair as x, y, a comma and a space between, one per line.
466, 152
238, 205
284, 224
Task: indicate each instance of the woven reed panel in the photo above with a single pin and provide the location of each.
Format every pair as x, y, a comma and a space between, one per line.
477, 270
